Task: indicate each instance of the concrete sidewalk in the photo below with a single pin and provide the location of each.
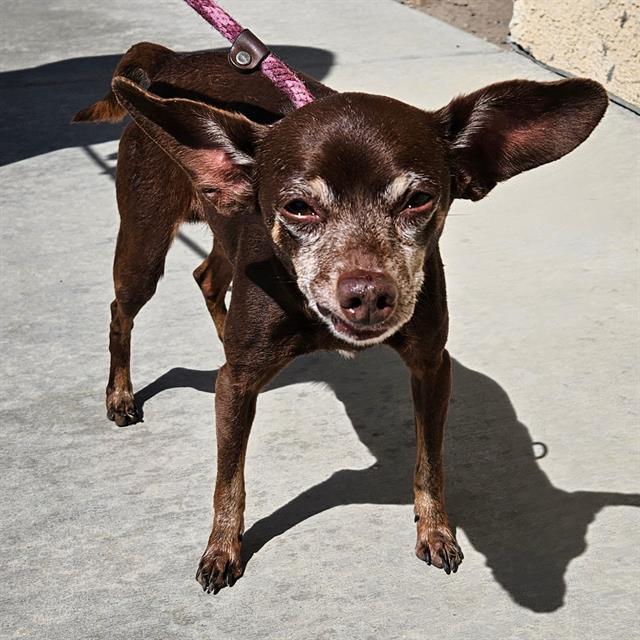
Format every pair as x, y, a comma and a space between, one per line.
101, 528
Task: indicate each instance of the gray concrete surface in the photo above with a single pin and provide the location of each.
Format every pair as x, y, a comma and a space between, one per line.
101, 528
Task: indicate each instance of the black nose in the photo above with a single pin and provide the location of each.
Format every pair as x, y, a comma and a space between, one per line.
366, 297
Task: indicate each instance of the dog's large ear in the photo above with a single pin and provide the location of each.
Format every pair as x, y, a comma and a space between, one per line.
510, 127
215, 147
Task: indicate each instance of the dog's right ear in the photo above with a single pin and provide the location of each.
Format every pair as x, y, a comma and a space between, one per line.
215, 147
510, 127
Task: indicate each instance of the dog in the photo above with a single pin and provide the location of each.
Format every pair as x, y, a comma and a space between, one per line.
327, 219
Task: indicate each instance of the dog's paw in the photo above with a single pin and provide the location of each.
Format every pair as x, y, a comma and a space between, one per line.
121, 408
220, 566
437, 546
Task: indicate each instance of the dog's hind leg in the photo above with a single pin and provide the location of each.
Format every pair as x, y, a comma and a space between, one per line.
213, 277
149, 219
138, 265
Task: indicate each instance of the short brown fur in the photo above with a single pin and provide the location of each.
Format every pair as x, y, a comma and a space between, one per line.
314, 214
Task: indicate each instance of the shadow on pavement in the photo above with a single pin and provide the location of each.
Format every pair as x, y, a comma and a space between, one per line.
527, 529
37, 104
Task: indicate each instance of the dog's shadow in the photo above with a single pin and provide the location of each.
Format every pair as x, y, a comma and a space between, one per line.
527, 529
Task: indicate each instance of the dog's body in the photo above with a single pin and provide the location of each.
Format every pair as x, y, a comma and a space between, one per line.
327, 219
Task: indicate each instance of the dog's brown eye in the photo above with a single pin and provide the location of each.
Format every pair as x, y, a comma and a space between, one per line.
419, 202
298, 208
301, 211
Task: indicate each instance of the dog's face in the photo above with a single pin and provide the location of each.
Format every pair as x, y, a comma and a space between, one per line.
354, 189
353, 201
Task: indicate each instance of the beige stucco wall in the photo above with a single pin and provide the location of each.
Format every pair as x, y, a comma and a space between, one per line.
599, 39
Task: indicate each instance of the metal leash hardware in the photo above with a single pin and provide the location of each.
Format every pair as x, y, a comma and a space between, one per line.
249, 53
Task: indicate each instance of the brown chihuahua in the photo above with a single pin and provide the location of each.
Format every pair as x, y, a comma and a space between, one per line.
327, 219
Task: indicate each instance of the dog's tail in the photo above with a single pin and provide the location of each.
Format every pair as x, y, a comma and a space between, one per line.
140, 63
106, 110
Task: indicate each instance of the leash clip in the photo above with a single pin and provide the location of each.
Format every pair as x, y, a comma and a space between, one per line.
247, 52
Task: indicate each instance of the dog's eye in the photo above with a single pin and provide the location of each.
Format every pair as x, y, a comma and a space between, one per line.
298, 208
418, 202
301, 211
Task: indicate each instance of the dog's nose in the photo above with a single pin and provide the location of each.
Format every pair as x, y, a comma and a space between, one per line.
367, 297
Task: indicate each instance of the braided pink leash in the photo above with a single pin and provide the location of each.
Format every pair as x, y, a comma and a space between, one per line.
272, 67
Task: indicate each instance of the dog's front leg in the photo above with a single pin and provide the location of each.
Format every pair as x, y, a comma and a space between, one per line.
431, 388
236, 394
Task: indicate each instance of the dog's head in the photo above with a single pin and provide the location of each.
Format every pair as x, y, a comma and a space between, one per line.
354, 189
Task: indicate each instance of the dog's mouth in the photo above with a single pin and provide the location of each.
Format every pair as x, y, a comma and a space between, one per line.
350, 331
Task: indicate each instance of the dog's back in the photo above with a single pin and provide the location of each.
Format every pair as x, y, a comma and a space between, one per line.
205, 76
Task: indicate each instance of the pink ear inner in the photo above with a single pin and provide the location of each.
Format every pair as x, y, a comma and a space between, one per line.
215, 168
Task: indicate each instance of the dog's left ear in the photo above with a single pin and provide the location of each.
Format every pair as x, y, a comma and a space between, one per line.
215, 147
506, 128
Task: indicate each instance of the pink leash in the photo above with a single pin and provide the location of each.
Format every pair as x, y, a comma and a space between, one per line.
248, 53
